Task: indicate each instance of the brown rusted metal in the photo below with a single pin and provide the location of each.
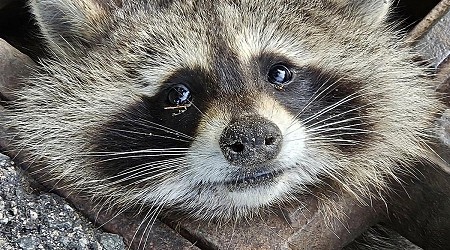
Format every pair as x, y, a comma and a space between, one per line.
134, 228
299, 225
337, 232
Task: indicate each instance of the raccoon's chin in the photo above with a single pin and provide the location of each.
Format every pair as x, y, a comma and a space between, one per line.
267, 189
259, 188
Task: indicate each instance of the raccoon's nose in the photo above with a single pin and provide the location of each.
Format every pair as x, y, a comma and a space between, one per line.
250, 141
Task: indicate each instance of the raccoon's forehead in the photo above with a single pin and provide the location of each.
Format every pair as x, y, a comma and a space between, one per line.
243, 28
187, 36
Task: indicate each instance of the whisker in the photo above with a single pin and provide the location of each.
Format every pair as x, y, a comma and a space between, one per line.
146, 134
313, 98
329, 127
338, 115
167, 170
148, 216
336, 134
141, 170
332, 107
156, 155
151, 221
150, 124
151, 150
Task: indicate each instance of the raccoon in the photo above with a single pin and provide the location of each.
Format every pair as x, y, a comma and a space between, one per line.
218, 109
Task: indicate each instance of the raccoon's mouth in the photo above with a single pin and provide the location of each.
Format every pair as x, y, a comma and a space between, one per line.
253, 179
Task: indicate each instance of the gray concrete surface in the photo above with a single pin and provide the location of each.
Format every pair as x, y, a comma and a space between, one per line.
30, 219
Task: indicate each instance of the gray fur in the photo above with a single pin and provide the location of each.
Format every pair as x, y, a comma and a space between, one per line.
108, 55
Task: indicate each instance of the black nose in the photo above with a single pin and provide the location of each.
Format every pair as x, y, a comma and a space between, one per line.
250, 141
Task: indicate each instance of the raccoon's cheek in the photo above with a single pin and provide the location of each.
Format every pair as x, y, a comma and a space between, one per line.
292, 151
207, 164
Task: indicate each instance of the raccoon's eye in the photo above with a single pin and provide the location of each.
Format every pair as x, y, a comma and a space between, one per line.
179, 94
279, 75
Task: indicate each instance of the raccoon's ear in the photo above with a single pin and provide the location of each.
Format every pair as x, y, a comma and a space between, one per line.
69, 24
371, 11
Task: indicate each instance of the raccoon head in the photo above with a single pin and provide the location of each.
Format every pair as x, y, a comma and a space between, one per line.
219, 108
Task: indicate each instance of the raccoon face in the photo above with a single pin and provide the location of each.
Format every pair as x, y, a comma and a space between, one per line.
222, 108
